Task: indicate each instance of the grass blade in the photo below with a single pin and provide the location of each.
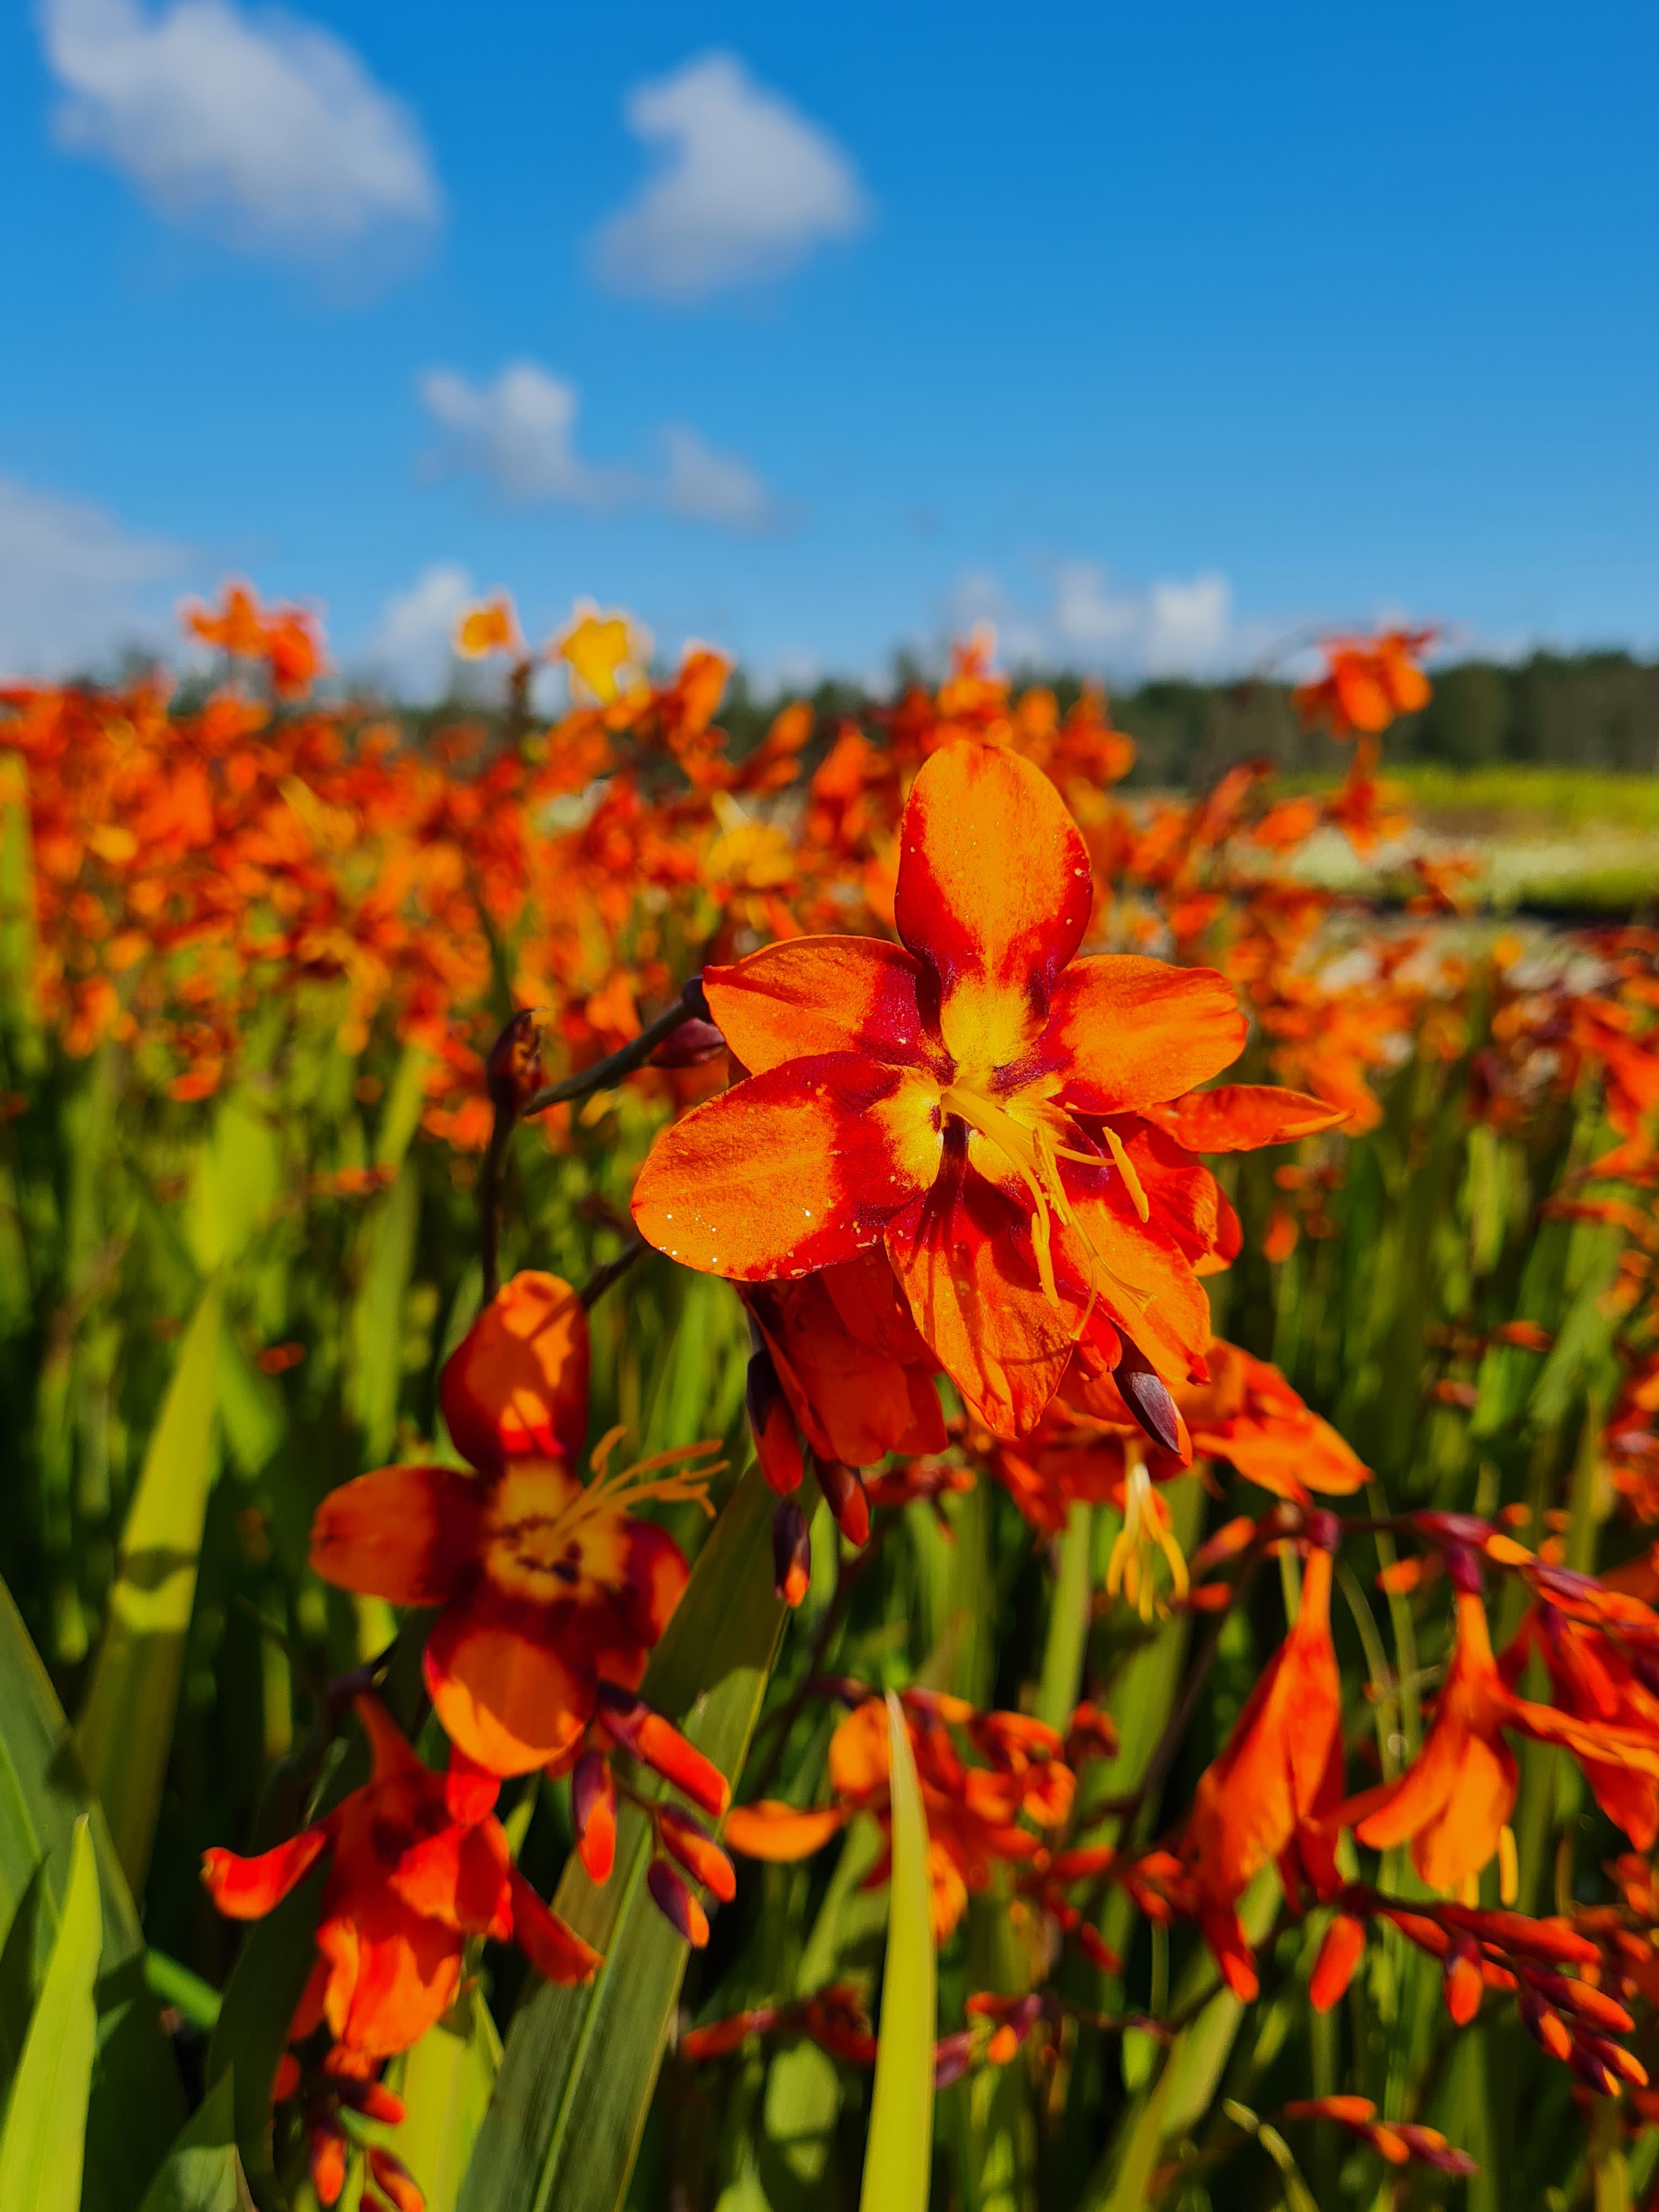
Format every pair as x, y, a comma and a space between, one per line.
898, 2157
202, 2171
43, 2147
125, 1732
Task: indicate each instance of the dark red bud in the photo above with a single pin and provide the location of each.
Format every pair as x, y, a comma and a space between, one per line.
691, 1045
676, 1903
513, 1069
1148, 1399
593, 1803
791, 1552
777, 1440
844, 1493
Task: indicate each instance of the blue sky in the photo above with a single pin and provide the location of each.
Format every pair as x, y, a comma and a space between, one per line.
1160, 335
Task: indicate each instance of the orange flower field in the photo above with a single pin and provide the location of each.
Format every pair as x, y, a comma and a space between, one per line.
724, 1466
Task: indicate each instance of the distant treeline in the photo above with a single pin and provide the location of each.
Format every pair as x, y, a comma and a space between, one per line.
1595, 710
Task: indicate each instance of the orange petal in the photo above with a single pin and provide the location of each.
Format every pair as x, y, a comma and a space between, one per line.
459, 1876
405, 1534
517, 1382
994, 892
246, 1889
978, 1302
816, 995
508, 1697
792, 1170
1127, 1033
393, 1974
854, 1404
557, 1952
1239, 1117
767, 1829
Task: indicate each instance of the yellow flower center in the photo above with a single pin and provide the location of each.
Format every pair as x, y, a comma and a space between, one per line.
1018, 1128
548, 1533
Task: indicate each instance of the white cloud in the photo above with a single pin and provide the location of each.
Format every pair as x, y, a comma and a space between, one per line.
74, 584
265, 129
520, 432
1173, 627
747, 188
411, 646
705, 486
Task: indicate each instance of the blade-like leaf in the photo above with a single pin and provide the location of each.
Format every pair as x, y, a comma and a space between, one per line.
138, 2103
264, 1986
580, 2063
43, 2145
898, 2158
202, 2172
124, 1733
446, 2082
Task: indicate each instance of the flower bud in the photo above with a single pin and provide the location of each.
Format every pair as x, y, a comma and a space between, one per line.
513, 1069
676, 1904
696, 1849
777, 1440
1338, 1954
328, 2161
791, 1552
593, 1803
844, 1493
395, 2178
657, 1743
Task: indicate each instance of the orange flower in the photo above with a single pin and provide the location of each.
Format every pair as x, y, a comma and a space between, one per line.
549, 1588
1278, 1778
1367, 682
1453, 1803
972, 1810
490, 627
963, 1098
416, 1864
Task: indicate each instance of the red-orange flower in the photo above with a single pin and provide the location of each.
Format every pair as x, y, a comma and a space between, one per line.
1453, 1803
417, 1863
973, 1811
1277, 1780
966, 1097
1367, 682
549, 1588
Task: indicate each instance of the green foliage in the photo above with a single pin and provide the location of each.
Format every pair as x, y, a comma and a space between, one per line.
43, 2143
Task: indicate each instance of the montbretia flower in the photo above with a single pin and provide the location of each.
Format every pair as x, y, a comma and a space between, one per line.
967, 1098
1278, 1779
1453, 1803
1367, 682
417, 1863
549, 1588
973, 1810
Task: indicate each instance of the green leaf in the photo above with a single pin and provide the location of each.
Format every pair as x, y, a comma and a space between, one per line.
137, 2104
43, 2146
580, 2063
264, 1986
125, 1732
898, 2157
202, 2172
377, 1320
1068, 1620
446, 2082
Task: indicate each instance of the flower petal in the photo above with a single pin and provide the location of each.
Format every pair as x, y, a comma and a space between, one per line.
406, 1534
517, 1382
771, 1831
510, 1698
1241, 1117
994, 892
818, 995
977, 1301
557, 1952
459, 1876
394, 1973
792, 1170
246, 1889
853, 1403
1127, 1033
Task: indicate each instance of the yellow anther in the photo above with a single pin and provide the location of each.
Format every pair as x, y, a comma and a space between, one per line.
1146, 1524
1126, 1168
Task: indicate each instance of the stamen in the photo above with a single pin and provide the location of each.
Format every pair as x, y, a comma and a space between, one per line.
642, 1481
1035, 1159
1145, 1523
1508, 1865
1126, 1168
